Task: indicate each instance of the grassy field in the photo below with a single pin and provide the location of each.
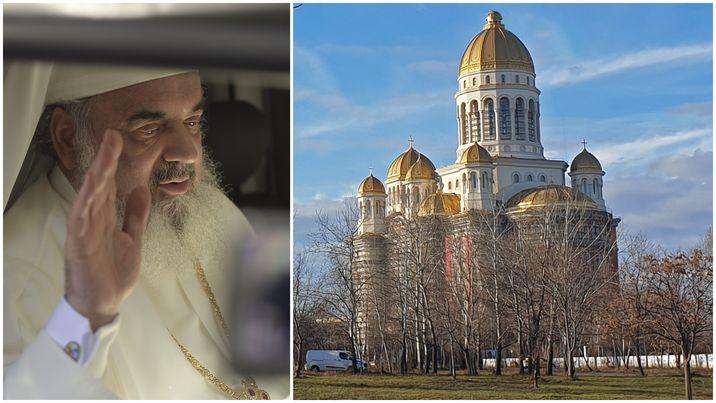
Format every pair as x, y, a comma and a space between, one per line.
662, 384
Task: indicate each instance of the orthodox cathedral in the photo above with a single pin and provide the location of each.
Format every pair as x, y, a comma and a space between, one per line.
499, 161
499, 171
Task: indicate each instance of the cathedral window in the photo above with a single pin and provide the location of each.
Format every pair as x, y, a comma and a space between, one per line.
464, 83
528, 80
457, 184
449, 185
595, 186
505, 127
519, 119
529, 178
584, 186
502, 78
531, 120
517, 79
515, 178
474, 122
487, 79
484, 179
542, 178
464, 124
488, 121
473, 178
474, 81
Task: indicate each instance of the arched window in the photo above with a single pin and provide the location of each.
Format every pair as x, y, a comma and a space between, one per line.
529, 178
484, 179
487, 79
542, 178
457, 185
367, 210
464, 83
515, 178
473, 178
464, 183
502, 78
488, 119
464, 124
519, 119
531, 120
449, 185
474, 122
505, 127
528, 80
584, 186
474, 81
517, 79
595, 186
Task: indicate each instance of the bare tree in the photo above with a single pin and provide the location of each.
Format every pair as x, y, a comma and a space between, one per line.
679, 307
344, 281
306, 306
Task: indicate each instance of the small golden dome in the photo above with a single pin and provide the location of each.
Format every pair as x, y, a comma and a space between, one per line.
440, 203
420, 170
495, 48
585, 161
371, 184
475, 153
549, 196
401, 165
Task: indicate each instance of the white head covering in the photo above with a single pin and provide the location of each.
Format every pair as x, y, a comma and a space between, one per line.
30, 86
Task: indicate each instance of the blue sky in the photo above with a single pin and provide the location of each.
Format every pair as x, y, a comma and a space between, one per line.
634, 80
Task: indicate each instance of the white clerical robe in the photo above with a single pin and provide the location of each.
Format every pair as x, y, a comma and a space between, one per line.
139, 360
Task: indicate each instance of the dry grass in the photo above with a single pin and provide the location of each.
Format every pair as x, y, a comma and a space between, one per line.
658, 384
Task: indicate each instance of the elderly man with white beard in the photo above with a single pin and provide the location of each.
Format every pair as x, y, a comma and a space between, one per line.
113, 259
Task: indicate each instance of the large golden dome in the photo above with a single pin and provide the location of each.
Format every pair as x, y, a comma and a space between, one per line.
440, 203
401, 165
475, 153
371, 184
549, 196
495, 48
585, 161
422, 169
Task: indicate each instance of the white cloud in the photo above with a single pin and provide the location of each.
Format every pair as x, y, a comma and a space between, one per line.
353, 116
647, 147
589, 70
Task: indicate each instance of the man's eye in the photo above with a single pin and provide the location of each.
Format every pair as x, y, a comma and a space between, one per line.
149, 130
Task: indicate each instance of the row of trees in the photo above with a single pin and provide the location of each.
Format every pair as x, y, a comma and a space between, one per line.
448, 292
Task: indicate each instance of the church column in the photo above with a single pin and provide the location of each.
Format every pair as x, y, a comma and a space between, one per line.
513, 133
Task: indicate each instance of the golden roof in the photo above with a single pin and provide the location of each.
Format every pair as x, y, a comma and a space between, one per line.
421, 170
495, 48
585, 161
440, 203
475, 153
371, 184
548, 196
401, 165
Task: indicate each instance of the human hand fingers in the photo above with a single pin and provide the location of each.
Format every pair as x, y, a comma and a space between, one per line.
104, 169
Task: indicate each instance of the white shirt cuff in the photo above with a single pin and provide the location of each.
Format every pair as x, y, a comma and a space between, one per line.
72, 332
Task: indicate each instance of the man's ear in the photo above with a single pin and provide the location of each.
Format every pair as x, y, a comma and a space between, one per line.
62, 131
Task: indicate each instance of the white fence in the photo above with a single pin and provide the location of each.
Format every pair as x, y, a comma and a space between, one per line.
651, 361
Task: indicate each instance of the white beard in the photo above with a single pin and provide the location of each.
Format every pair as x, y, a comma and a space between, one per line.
165, 248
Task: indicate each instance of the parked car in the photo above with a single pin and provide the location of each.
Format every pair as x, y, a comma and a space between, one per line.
332, 360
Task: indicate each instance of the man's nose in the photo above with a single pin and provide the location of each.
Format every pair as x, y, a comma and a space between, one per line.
182, 146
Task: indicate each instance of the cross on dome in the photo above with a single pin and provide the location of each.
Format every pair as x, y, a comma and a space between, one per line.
584, 144
410, 141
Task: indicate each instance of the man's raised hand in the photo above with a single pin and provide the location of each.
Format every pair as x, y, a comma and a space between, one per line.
102, 262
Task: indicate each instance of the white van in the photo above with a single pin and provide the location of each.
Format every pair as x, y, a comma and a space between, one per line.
331, 360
